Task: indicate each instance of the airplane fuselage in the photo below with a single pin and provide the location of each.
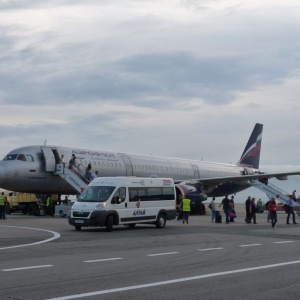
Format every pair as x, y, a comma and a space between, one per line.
30, 169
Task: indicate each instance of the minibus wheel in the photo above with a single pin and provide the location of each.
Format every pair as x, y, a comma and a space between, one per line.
109, 223
161, 221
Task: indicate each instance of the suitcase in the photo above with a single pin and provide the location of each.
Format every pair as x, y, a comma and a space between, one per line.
218, 217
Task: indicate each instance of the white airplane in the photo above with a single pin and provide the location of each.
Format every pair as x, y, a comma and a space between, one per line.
38, 169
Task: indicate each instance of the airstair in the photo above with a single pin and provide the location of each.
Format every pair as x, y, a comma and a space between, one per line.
272, 190
74, 176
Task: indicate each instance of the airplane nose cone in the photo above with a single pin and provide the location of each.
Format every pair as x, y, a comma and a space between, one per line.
2, 175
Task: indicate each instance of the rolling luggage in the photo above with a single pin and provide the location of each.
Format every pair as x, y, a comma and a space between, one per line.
218, 217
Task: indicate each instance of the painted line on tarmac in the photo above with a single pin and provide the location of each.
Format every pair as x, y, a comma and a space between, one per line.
26, 268
154, 284
104, 259
158, 254
283, 242
250, 245
209, 249
55, 236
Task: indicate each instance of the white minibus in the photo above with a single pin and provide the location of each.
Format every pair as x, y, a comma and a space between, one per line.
109, 201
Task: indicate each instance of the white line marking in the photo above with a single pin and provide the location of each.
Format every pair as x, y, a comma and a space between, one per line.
284, 242
250, 245
26, 268
141, 286
168, 253
208, 249
104, 259
55, 236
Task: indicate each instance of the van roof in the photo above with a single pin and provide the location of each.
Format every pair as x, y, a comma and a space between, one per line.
130, 180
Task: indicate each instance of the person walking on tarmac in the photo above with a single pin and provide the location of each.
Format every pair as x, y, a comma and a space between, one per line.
2, 206
290, 211
226, 207
248, 210
49, 207
186, 209
273, 208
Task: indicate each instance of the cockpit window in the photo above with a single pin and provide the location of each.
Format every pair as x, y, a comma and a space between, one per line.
21, 157
10, 157
29, 157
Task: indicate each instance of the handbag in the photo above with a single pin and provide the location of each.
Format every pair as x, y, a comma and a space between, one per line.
232, 215
210, 206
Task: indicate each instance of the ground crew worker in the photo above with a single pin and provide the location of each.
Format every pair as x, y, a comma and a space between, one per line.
2, 206
259, 205
186, 209
49, 206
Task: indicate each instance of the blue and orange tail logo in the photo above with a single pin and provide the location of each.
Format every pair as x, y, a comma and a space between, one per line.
251, 154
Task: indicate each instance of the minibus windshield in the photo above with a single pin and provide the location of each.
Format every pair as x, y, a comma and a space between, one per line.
96, 194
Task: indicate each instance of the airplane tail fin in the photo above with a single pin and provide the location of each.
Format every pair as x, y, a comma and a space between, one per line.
251, 154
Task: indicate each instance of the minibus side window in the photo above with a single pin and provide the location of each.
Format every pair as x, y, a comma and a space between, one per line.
136, 194
168, 193
154, 194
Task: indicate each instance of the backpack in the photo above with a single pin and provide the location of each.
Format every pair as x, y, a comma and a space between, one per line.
285, 208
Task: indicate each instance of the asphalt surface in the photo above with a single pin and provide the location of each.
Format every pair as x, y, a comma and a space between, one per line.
45, 258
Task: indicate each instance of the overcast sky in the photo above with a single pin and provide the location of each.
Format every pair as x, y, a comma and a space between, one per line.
184, 79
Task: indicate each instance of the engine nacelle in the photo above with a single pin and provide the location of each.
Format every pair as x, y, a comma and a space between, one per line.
195, 194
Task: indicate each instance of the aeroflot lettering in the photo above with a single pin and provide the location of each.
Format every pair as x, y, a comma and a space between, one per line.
139, 212
93, 153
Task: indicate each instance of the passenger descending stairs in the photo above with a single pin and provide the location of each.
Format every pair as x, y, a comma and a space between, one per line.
272, 190
75, 176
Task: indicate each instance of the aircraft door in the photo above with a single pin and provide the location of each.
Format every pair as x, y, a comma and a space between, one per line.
196, 172
128, 164
49, 159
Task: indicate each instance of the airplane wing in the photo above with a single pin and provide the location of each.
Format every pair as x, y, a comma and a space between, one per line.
242, 179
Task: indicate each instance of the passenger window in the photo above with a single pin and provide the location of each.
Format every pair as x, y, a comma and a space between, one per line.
154, 194
21, 157
168, 193
136, 194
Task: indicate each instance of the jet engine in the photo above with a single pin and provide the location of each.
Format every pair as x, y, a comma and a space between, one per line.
194, 193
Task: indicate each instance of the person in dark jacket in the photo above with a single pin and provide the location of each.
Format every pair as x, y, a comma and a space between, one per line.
253, 208
248, 209
226, 207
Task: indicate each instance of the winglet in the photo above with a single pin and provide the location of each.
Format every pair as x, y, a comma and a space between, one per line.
251, 154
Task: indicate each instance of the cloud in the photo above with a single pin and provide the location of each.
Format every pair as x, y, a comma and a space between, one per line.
184, 79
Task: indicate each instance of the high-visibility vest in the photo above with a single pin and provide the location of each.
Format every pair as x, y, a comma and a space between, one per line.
48, 202
186, 205
2, 197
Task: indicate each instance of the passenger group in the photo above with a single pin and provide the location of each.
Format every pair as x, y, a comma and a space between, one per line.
252, 207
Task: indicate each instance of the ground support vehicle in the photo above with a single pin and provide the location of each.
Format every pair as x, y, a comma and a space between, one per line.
110, 201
